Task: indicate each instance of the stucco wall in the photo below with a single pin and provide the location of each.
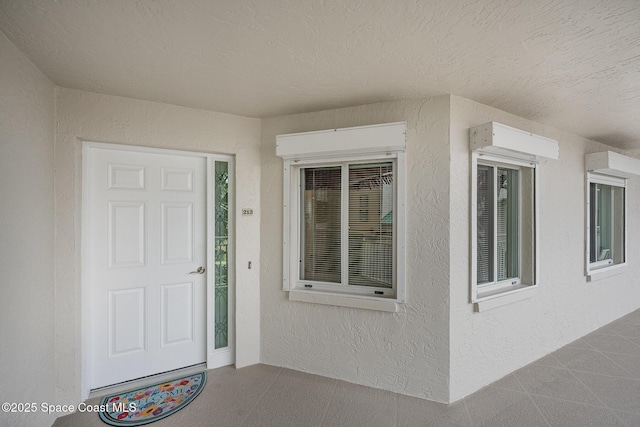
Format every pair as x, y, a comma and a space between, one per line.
488, 345
27, 121
102, 118
407, 351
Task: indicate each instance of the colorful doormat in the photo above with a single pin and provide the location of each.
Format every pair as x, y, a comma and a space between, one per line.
149, 404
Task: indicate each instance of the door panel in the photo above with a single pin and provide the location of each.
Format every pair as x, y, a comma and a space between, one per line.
147, 234
177, 313
177, 179
126, 321
177, 232
126, 177
126, 225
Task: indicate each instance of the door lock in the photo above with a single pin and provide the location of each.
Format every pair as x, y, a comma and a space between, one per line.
200, 270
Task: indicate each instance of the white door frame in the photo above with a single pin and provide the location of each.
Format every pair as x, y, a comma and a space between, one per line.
214, 358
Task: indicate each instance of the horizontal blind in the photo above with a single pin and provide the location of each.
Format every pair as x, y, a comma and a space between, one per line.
484, 226
371, 216
508, 224
321, 235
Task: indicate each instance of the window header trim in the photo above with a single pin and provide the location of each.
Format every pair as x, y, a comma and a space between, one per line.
374, 139
611, 163
598, 178
496, 138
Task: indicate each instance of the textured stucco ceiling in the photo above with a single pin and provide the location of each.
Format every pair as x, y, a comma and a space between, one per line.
574, 64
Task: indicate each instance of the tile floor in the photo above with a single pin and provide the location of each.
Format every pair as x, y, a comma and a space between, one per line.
594, 381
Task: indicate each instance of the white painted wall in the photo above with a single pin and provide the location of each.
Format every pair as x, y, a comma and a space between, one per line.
102, 118
27, 122
405, 352
436, 347
486, 346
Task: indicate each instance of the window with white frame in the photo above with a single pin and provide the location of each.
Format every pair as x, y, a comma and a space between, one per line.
505, 225
344, 214
607, 221
606, 195
505, 164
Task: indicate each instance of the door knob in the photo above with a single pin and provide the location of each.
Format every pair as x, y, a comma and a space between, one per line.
200, 270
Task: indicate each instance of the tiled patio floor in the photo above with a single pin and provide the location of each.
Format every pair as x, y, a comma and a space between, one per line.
594, 381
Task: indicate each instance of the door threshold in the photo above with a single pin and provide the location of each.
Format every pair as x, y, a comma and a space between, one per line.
147, 381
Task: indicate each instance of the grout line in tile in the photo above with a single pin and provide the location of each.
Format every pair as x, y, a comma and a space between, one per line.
544, 417
563, 365
597, 373
326, 408
608, 376
396, 409
587, 387
522, 387
627, 336
629, 340
504, 388
529, 394
620, 366
546, 365
615, 412
579, 347
466, 408
525, 391
603, 375
603, 406
619, 354
609, 334
246, 416
518, 381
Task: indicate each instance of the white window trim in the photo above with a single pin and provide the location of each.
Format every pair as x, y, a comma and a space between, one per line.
344, 300
601, 269
480, 293
291, 235
521, 293
498, 139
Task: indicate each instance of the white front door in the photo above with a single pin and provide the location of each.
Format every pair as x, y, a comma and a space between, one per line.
146, 250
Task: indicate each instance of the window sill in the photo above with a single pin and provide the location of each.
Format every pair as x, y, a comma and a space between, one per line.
352, 301
604, 273
505, 298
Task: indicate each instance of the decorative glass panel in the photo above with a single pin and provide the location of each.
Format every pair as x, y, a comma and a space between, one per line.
371, 201
221, 245
321, 238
